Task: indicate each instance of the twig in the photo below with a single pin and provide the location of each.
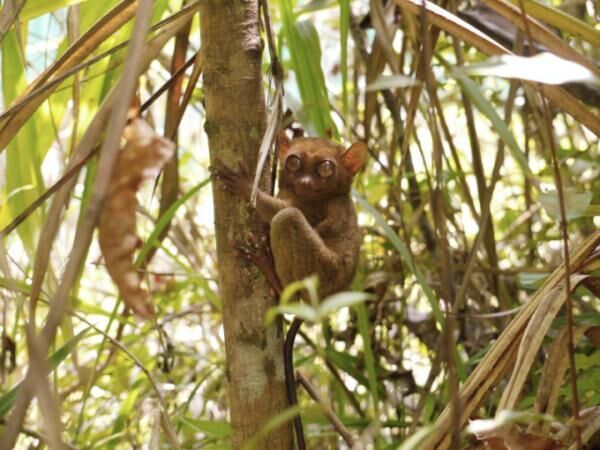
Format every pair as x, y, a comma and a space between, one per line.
8, 15
335, 421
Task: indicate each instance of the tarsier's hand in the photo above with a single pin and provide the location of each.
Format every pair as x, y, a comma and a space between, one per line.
236, 182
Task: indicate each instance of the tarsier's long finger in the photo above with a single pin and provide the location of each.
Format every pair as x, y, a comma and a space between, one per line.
252, 240
221, 172
225, 176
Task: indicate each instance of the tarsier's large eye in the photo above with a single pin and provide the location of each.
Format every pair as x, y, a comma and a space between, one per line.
326, 169
293, 163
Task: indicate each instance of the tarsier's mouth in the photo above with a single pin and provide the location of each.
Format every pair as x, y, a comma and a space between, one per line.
307, 192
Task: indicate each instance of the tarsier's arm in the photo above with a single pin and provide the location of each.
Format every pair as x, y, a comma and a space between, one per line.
338, 214
240, 183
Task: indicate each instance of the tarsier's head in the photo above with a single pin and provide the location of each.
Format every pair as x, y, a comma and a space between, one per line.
316, 169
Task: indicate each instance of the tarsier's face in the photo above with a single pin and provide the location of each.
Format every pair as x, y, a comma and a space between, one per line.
313, 169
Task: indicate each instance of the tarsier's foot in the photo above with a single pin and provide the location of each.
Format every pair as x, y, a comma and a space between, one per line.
259, 253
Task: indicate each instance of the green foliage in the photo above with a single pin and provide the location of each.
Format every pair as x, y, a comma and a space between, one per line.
434, 119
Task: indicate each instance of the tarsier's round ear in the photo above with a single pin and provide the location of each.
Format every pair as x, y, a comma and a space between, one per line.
284, 143
354, 157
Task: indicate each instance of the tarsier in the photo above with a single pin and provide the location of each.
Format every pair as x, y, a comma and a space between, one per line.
313, 223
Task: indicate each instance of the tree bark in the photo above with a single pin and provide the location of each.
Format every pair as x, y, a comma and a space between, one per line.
235, 123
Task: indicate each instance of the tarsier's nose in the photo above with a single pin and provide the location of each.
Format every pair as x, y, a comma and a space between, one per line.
305, 182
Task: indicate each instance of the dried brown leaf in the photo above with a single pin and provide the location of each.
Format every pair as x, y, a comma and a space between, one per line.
532, 337
552, 376
142, 157
513, 437
502, 355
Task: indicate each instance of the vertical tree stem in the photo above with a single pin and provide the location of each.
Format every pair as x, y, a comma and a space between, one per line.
235, 123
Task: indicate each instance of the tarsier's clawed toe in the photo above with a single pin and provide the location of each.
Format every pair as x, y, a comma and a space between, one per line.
225, 177
251, 238
243, 250
235, 182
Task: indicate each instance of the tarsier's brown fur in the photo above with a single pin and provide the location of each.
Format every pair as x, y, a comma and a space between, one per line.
314, 229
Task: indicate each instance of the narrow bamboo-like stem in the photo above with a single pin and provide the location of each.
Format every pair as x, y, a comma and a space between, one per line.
567, 262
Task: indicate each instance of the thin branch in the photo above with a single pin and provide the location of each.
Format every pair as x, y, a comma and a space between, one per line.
335, 421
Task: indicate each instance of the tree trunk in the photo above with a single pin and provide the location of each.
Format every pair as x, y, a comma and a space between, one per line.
235, 123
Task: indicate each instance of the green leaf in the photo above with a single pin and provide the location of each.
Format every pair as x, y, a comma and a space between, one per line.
35, 8
576, 203
125, 412
340, 300
305, 52
213, 428
347, 363
299, 309
314, 5
309, 285
344, 30
592, 211
364, 329
531, 280
275, 422
24, 182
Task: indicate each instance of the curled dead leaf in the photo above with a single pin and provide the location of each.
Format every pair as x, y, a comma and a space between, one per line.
513, 438
142, 157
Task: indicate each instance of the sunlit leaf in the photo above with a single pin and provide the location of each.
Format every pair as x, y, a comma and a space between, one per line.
165, 219
576, 203
213, 428
531, 280
340, 300
314, 5
391, 82
35, 8
544, 68
309, 284
299, 310
504, 417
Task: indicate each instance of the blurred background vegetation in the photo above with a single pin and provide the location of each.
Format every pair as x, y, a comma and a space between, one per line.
458, 207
